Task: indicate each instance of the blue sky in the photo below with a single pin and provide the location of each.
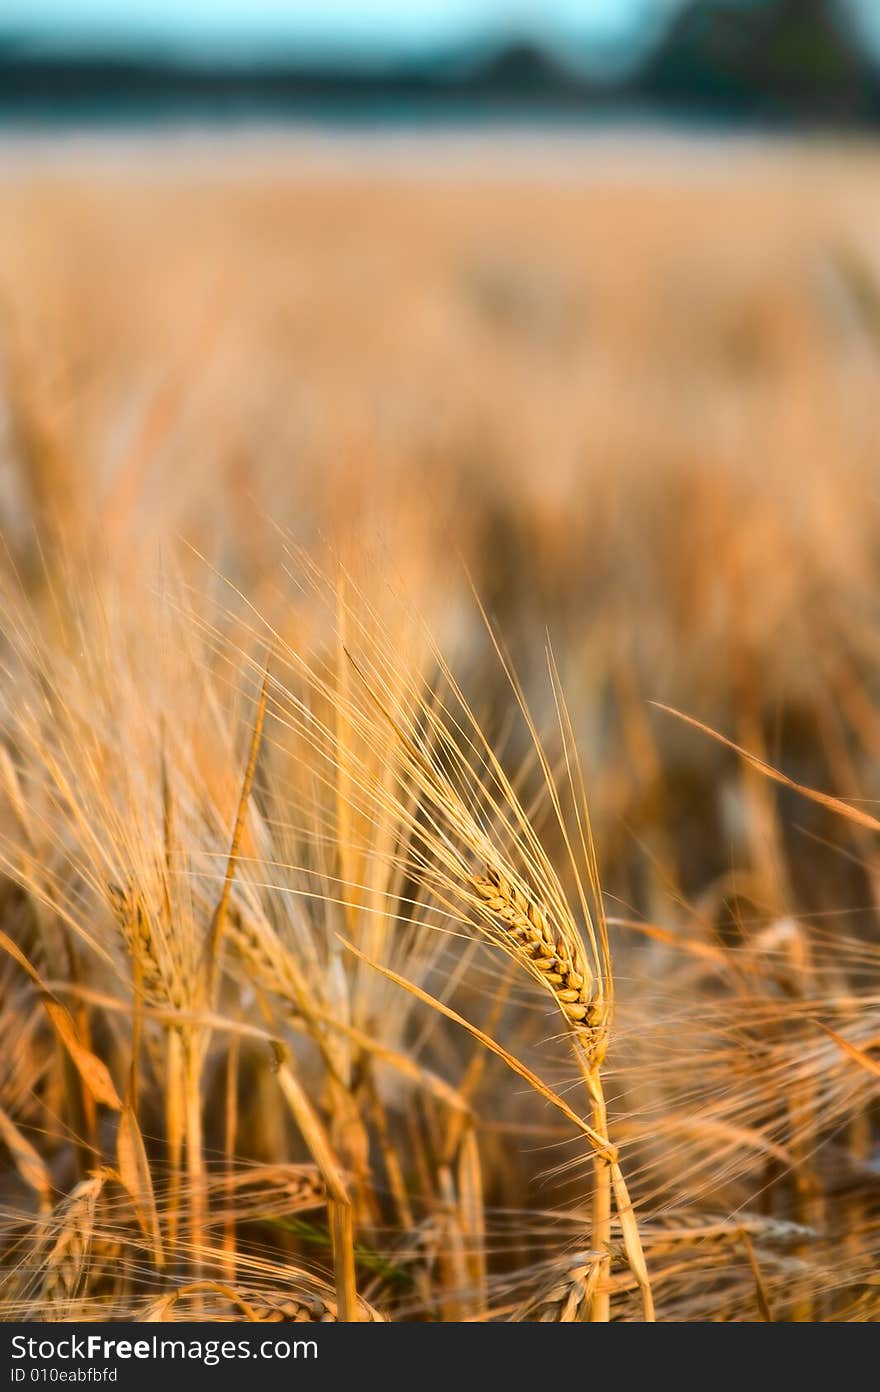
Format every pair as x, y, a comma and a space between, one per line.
356, 28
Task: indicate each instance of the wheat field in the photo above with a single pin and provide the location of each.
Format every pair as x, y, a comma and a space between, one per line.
439, 731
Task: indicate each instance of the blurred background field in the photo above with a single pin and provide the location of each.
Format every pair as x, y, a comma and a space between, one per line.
620, 382
630, 384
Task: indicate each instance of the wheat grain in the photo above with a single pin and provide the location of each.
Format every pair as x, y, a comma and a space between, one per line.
557, 959
65, 1268
567, 1300
304, 1299
134, 924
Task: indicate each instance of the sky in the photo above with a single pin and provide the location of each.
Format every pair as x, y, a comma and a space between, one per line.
587, 33
366, 29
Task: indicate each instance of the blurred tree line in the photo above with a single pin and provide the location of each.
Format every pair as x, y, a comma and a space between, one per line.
798, 57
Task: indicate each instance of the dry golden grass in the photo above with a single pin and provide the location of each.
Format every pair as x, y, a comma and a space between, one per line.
328, 997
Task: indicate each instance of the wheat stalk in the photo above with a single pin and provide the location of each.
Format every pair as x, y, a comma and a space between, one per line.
556, 957
458, 810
